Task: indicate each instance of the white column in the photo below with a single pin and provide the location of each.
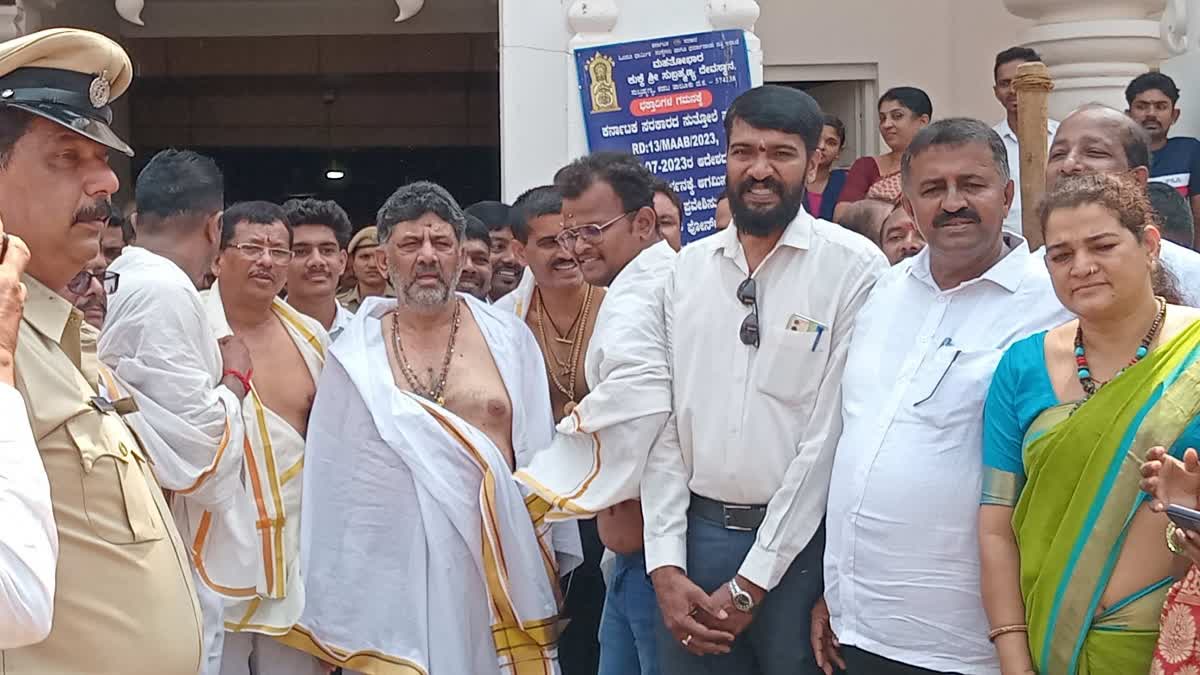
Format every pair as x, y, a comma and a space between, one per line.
541, 119
1093, 47
1181, 30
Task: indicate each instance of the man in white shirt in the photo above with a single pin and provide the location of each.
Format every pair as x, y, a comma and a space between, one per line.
188, 386
901, 555
735, 487
1004, 72
1097, 138
320, 232
29, 544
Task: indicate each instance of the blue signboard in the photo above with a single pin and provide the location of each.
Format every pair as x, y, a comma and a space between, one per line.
664, 100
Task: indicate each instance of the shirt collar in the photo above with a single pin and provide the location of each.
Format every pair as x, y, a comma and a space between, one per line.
1008, 272
47, 311
798, 235
1004, 130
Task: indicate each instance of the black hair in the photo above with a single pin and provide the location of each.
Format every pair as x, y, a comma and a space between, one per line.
414, 200
912, 98
118, 219
544, 200
256, 213
663, 187
317, 212
476, 231
1022, 54
778, 108
14, 122
175, 183
1150, 81
956, 131
495, 215
1173, 212
628, 177
831, 120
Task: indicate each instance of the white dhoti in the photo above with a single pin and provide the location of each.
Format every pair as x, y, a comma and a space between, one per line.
596, 459
420, 551
274, 452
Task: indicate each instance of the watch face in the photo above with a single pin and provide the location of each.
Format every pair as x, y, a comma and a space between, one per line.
743, 602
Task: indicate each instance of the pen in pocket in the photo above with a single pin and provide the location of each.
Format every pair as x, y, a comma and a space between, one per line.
817, 339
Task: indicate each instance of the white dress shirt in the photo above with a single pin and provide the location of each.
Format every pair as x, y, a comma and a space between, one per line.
1184, 264
901, 550
29, 539
756, 425
341, 318
1013, 222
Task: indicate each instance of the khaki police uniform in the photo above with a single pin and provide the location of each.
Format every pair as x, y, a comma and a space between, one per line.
124, 602
349, 298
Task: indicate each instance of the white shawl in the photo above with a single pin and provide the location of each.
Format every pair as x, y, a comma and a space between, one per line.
598, 455
275, 458
419, 551
157, 343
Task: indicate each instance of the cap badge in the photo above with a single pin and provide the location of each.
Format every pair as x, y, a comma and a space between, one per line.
100, 90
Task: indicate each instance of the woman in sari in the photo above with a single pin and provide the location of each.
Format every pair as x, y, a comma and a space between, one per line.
903, 111
1073, 563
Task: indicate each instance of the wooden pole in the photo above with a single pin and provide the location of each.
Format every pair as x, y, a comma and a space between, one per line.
1033, 86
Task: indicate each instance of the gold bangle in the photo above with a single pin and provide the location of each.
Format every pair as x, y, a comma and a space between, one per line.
1004, 630
1173, 545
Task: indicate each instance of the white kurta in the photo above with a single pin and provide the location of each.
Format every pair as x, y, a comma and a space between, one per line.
418, 546
597, 457
157, 343
275, 459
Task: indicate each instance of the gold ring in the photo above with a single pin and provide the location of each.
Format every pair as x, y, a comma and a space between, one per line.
686, 641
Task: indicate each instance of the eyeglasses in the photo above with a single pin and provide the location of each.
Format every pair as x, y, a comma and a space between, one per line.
80, 283
747, 294
590, 233
254, 251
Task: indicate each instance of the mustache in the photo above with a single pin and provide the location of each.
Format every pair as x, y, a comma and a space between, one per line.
965, 213
769, 183
98, 211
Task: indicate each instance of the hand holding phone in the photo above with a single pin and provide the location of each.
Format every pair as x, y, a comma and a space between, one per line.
1188, 519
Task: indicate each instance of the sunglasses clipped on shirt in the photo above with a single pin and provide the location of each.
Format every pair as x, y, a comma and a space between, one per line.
747, 294
80, 283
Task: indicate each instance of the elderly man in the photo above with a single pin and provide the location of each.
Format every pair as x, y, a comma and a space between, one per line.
1096, 138
368, 280
476, 276
426, 405
188, 386
29, 541
124, 601
594, 467
901, 551
320, 231
89, 291
899, 236
735, 487
288, 349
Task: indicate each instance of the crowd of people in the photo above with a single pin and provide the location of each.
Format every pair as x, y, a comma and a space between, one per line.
549, 437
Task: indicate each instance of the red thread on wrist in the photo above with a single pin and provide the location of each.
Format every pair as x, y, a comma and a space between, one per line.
244, 378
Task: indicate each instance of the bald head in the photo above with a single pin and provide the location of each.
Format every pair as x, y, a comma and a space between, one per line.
1096, 138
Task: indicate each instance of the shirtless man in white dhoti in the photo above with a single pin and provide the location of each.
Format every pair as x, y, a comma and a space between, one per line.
288, 349
186, 384
420, 552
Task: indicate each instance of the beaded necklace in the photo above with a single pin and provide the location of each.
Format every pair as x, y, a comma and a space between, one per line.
1091, 385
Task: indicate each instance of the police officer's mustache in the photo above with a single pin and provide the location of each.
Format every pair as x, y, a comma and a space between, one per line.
99, 211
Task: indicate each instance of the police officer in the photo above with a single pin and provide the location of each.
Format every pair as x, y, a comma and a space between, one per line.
124, 601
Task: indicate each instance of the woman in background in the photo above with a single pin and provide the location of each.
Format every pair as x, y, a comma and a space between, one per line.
903, 111
826, 185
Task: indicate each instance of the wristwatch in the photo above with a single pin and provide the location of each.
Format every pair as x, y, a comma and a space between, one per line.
742, 601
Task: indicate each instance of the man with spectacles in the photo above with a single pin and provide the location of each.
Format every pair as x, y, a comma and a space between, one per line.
758, 321
89, 291
320, 232
188, 386
288, 349
594, 466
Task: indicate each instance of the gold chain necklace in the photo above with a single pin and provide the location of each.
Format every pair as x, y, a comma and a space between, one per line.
570, 369
437, 386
